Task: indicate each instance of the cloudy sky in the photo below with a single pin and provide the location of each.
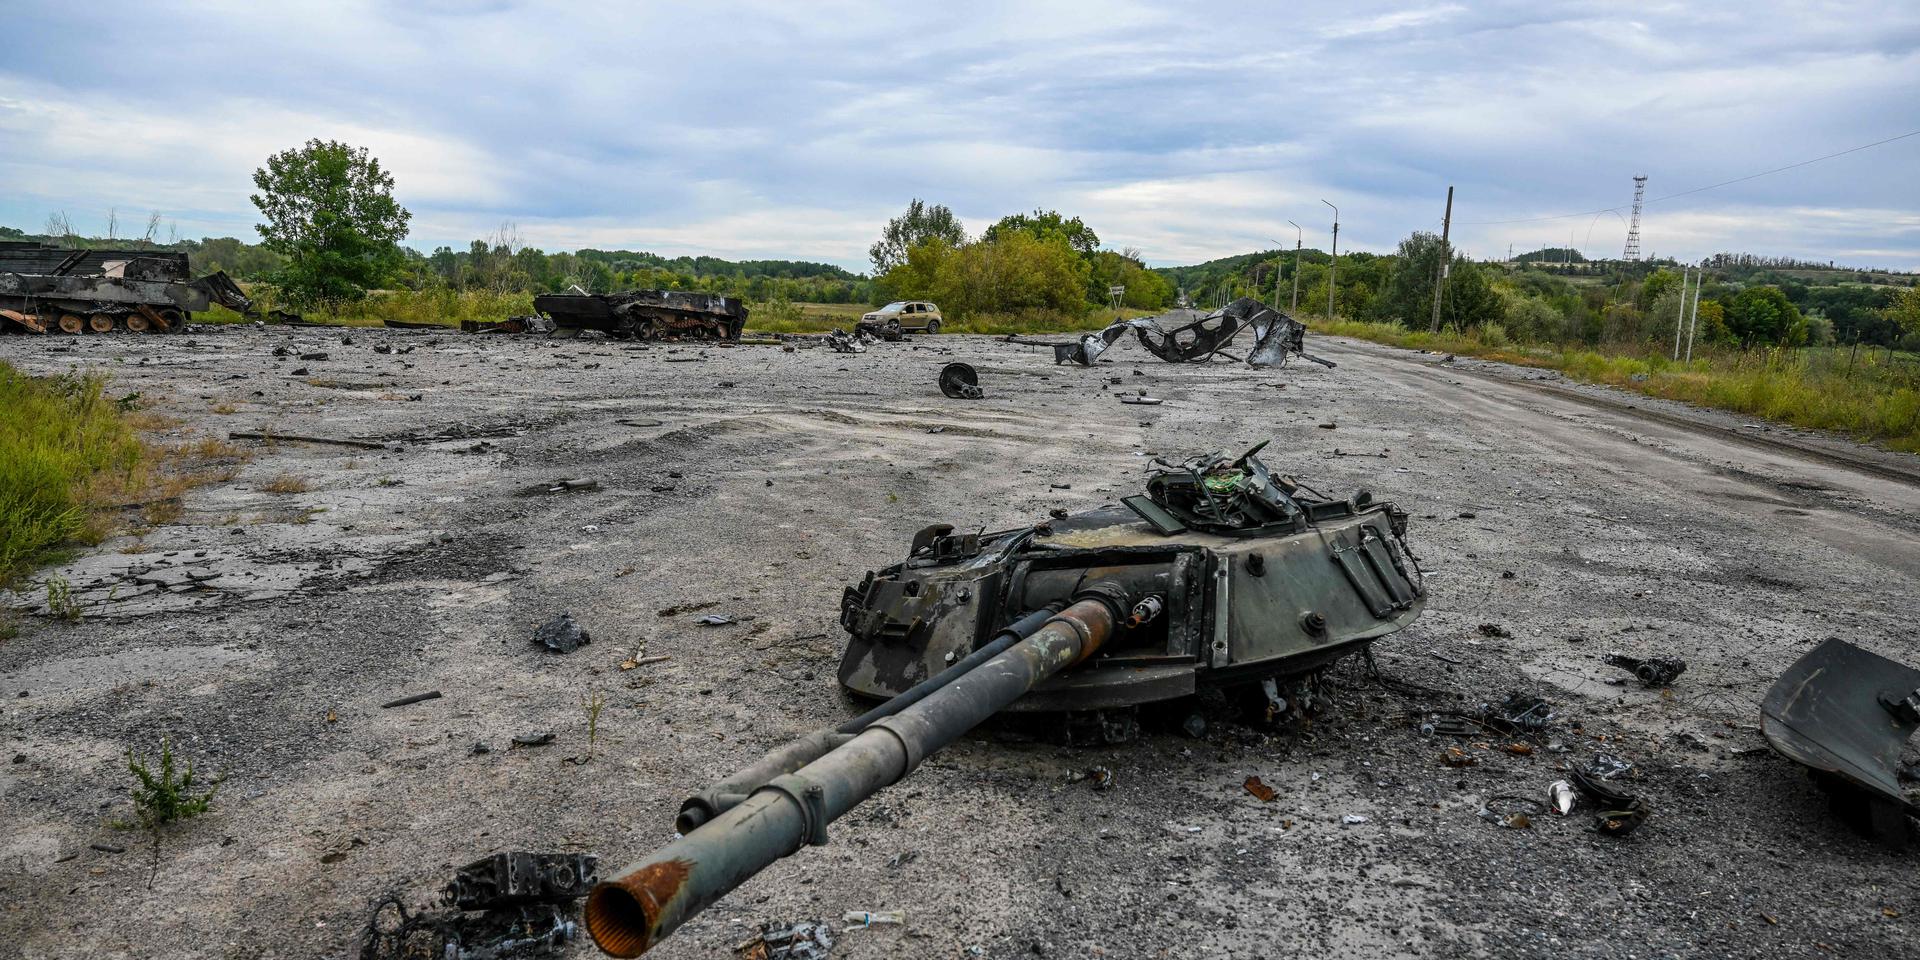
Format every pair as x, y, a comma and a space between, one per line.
794, 130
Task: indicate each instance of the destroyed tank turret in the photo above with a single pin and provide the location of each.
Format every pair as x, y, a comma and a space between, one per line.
1222, 576
46, 289
645, 314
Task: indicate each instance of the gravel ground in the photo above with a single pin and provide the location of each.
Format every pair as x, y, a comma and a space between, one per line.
261, 631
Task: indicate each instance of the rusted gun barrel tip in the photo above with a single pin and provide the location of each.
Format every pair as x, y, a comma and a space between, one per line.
623, 914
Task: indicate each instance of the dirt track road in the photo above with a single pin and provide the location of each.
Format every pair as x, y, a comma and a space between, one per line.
761, 482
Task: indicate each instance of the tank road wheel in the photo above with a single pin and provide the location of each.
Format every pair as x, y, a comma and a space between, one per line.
172, 320
135, 322
100, 322
71, 323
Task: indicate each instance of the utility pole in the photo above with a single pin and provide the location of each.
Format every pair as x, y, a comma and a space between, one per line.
1299, 237
1680, 317
1694, 323
1446, 263
1333, 259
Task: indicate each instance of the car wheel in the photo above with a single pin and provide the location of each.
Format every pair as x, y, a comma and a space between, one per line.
893, 329
933, 326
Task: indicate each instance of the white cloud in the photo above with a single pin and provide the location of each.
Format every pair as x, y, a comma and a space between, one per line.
1188, 131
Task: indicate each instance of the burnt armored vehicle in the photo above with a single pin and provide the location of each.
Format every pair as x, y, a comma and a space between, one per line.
52, 289
645, 314
1222, 576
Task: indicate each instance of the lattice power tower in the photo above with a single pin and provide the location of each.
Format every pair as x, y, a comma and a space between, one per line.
1633, 229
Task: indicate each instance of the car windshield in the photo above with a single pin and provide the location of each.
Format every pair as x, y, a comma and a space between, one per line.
894, 306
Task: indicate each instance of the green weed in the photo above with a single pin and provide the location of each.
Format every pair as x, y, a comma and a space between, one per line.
60, 602
594, 703
164, 795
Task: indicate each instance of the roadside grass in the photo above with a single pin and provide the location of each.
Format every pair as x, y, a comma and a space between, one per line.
1870, 396
63, 446
442, 307
77, 466
286, 483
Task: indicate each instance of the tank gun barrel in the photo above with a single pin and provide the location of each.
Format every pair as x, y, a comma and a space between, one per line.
722, 796
638, 907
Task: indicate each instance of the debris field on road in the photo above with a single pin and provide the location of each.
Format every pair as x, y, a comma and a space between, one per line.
388, 661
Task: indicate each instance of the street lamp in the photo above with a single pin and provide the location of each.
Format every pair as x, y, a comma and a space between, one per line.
1333, 258
1298, 237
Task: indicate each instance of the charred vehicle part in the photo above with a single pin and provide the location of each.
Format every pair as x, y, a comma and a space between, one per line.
960, 382
1223, 575
1186, 336
1846, 715
506, 905
45, 289
645, 314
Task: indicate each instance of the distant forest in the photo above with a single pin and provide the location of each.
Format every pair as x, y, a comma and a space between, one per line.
502, 264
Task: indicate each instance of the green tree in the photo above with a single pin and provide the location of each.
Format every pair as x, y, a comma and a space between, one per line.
1763, 315
922, 222
330, 211
1656, 284
1407, 297
1047, 224
1904, 312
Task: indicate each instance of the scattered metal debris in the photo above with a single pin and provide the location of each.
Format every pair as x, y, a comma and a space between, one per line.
959, 381
1651, 671
297, 438
540, 739
869, 918
416, 698
842, 342
516, 324
1142, 400
1846, 715
506, 906
581, 485
1514, 813
561, 634
1099, 778
1260, 790
1518, 713
1621, 813
806, 940
1606, 766
715, 620
1194, 337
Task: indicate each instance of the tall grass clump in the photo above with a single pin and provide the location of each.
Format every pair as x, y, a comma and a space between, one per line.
61, 437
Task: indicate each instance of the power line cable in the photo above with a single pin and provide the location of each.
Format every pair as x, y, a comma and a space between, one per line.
1711, 186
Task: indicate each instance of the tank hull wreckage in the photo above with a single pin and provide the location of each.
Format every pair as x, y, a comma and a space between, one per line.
46, 289
645, 314
1189, 336
1222, 576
